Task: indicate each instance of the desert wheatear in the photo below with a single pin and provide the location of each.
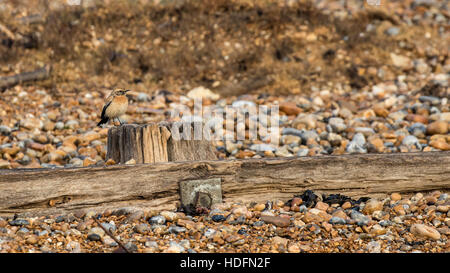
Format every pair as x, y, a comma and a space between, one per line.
116, 104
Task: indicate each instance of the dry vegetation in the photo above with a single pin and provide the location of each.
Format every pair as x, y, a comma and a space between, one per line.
232, 47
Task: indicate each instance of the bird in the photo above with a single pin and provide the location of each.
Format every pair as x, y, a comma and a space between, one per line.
116, 104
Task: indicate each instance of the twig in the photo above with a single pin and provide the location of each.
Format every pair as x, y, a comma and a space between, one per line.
31, 19
8, 32
39, 74
111, 235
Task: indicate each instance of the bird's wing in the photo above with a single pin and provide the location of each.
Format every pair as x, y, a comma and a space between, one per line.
104, 109
110, 97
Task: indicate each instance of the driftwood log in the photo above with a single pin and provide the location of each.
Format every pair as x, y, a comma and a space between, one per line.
154, 143
36, 75
156, 186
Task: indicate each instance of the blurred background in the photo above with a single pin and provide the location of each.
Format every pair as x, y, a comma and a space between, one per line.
232, 47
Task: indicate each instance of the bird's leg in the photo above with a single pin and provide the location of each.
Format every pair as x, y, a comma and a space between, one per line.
120, 121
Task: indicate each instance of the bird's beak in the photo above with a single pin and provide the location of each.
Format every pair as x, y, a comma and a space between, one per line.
128, 90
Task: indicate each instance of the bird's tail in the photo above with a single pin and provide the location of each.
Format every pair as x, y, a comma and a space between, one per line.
103, 121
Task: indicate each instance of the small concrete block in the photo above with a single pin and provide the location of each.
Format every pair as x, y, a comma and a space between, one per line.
203, 192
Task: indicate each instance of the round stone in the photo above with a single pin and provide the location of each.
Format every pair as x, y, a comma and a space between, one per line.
157, 220
218, 218
425, 231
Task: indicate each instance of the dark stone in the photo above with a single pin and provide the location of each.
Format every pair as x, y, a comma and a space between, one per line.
239, 221
336, 199
258, 223
19, 222
218, 218
337, 221
309, 198
59, 219
94, 237
242, 231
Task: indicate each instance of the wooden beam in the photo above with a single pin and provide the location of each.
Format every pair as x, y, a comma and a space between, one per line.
156, 186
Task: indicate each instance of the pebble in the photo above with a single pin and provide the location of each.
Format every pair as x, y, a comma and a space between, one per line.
283, 152
430, 99
108, 226
32, 239
290, 108
176, 229
142, 228
159, 229
438, 127
218, 218
243, 104
169, 216
96, 234
174, 248
393, 31
279, 241
322, 206
19, 222
396, 197
73, 247
135, 216
425, 231
143, 97
373, 247
371, 206
59, 125
258, 223
108, 241
440, 145
337, 124
276, 220
401, 61
357, 145
259, 207
411, 141
302, 152
151, 244
5, 130
262, 148
202, 93
361, 219
131, 247
157, 220
209, 232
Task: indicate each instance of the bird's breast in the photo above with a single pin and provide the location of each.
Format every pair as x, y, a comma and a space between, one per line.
117, 107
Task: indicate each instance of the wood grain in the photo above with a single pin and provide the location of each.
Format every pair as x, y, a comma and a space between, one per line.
153, 143
156, 186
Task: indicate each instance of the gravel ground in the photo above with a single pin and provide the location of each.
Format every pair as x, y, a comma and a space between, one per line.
384, 119
400, 105
405, 109
306, 223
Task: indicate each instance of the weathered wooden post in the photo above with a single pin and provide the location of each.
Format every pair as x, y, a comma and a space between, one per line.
153, 143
